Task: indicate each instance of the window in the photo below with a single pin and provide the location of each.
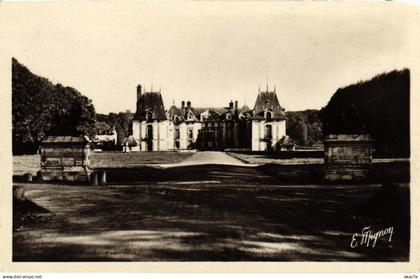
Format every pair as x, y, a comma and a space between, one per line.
150, 132
268, 116
190, 134
149, 116
268, 132
176, 120
177, 134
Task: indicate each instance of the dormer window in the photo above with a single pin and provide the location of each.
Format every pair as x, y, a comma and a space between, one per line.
228, 116
190, 116
176, 120
149, 116
268, 116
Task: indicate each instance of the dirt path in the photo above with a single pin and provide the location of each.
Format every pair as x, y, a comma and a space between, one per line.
207, 222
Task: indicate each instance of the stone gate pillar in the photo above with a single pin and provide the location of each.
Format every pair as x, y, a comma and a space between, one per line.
347, 157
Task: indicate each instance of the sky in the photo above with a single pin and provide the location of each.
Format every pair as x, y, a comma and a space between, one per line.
208, 53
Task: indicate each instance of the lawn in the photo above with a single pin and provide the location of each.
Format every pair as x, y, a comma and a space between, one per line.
118, 159
277, 158
217, 213
273, 159
26, 164
31, 163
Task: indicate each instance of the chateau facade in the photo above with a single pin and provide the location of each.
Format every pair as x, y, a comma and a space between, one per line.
262, 128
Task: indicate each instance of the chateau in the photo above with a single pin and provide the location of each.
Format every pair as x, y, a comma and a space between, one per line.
262, 128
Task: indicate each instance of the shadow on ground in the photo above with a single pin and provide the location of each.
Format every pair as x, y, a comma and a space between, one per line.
212, 213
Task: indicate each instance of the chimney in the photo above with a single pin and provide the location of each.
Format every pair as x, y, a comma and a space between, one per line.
138, 91
182, 104
188, 105
230, 105
236, 105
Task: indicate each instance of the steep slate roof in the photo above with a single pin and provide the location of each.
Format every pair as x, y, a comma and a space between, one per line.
153, 101
102, 126
268, 100
244, 109
200, 110
173, 110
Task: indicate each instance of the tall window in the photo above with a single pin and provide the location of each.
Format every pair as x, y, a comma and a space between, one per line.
190, 134
177, 134
268, 132
149, 132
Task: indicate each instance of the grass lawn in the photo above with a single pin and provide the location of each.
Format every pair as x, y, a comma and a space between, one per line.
272, 159
26, 164
118, 159
31, 163
276, 158
221, 214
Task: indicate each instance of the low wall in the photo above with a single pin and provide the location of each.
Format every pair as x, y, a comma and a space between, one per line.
307, 174
397, 171
347, 157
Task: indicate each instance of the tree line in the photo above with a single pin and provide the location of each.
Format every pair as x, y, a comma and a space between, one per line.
121, 121
41, 108
304, 127
379, 107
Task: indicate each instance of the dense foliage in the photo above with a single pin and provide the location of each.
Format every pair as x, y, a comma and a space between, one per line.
40, 108
121, 121
380, 107
304, 127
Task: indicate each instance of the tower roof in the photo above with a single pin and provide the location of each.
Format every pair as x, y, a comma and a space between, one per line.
150, 101
268, 101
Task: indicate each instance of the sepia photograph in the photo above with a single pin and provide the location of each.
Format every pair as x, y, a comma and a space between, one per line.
210, 132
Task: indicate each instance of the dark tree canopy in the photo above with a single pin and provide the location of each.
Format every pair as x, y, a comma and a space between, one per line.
304, 127
379, 107
40, 108
121, 121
